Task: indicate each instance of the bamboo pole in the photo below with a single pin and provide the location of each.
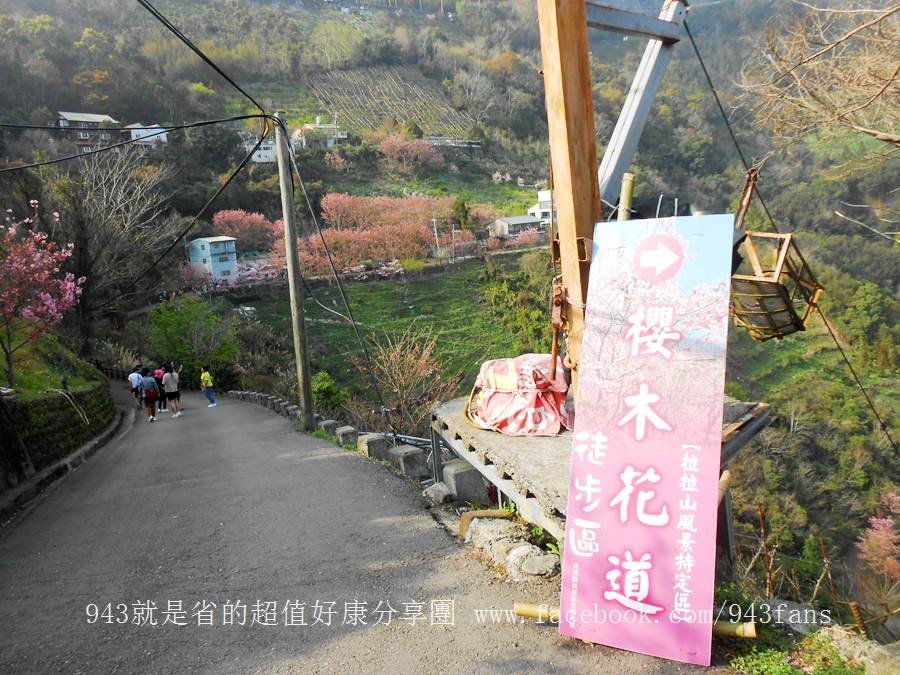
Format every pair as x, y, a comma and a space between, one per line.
724, 484
625, 196
545, 613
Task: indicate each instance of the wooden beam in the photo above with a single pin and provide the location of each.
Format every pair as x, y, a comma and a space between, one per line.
632, 23
636, 111
573, 152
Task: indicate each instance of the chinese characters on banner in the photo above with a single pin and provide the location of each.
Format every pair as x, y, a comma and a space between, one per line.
641, 522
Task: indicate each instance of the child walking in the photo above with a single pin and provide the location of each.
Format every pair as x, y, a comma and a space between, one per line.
206, 382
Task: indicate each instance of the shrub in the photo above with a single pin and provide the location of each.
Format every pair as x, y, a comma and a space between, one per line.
191, 332
412, 265
328, 397
114, 355
409, 374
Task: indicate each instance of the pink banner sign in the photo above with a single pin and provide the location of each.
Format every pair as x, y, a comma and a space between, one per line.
639, 561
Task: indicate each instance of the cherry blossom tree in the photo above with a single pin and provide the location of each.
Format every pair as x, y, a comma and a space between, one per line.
350, 248
346, 212
34, 292
528, 238
879, 546
879, 552
408, 155
252, 230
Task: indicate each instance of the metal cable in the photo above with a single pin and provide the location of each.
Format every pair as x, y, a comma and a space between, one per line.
362, 344
181, 36
881, 422
737, 146
161, 127
731, 132
191, 225
312, 297
131, 141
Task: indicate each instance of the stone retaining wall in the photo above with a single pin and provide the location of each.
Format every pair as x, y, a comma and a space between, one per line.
49, 428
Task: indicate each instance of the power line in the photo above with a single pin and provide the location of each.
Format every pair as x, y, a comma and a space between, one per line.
737, 145
130, 141
312, 297
340, 285
731, 132
161, 127
181, 36
87, 153
192, 224
881, 422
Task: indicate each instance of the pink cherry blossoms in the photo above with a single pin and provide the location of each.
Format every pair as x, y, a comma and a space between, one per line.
34, 292
879, 546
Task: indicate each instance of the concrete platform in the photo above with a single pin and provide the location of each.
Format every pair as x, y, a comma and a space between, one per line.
533, 471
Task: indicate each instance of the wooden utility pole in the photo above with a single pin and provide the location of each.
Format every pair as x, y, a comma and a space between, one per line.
573, 154
292, 257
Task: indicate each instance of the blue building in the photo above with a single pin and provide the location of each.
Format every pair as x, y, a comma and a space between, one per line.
215, 256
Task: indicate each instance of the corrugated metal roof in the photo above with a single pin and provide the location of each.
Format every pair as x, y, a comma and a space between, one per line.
87, 117
519, 220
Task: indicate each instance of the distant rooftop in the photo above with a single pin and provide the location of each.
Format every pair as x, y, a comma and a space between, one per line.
214, 239
87, 117
519, 220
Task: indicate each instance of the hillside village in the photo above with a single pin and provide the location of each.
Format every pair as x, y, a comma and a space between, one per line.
438, 190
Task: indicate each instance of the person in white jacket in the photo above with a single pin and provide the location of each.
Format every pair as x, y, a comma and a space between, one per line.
170, 387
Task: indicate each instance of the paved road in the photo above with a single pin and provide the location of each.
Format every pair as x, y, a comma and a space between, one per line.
235, 507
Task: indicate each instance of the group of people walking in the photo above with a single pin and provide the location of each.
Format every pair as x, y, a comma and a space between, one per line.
157, 391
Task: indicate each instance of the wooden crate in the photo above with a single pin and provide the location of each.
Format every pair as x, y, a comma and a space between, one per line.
779, 297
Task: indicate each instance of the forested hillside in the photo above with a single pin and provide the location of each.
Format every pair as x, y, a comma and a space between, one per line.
473, 71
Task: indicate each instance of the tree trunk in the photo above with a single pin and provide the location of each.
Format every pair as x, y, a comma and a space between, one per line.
86, 330
10, 378
83, 268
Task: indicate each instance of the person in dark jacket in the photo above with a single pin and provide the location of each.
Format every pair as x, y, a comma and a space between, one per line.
150, 392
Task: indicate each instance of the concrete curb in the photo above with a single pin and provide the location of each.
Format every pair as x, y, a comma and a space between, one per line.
19, 496
407, 460
344, 436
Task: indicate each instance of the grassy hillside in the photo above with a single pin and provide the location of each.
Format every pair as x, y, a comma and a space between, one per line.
42, 364
448, 304
824, 464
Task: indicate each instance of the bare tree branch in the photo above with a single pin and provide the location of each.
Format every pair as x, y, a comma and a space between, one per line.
837, 11
828, 70
872, 229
